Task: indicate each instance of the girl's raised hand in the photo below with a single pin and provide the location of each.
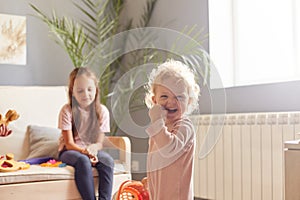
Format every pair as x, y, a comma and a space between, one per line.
157, 112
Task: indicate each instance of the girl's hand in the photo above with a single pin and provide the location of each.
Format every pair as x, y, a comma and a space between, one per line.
157, 112
94, 160
4, 131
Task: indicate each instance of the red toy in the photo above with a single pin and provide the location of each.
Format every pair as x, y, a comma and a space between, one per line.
133, 190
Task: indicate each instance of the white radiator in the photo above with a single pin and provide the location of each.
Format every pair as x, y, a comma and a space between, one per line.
246, 162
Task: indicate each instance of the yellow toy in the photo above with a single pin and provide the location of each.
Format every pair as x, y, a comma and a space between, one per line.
10, 165
10, 115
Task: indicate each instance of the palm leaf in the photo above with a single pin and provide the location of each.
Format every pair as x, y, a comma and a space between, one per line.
69, 35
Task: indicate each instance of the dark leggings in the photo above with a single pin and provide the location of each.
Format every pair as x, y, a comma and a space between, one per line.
84, 175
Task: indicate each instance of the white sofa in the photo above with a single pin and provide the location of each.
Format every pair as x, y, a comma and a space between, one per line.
38, 106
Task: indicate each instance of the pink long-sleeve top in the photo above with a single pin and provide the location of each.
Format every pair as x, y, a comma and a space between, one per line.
170, 160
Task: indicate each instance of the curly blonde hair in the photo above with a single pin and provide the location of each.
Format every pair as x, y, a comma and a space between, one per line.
177, 69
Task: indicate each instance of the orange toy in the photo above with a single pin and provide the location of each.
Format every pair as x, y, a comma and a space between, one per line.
133, 190
10, 165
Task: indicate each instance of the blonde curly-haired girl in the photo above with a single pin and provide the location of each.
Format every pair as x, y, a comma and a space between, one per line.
172, 95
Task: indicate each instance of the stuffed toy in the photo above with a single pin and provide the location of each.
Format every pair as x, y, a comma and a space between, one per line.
133, 190
10, 165
10, 115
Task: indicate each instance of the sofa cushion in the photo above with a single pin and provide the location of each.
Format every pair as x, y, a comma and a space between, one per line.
39, 173
43, 141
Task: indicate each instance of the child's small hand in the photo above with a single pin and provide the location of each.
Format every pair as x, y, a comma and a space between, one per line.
157, 112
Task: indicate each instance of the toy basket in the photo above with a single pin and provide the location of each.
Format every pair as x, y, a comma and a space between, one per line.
132, 190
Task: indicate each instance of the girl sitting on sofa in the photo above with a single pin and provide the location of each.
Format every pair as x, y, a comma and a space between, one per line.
83, 122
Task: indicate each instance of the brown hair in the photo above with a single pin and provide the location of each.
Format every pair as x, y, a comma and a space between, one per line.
95, 114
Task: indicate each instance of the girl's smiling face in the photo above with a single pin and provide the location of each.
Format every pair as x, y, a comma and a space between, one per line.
84, 91
173, 96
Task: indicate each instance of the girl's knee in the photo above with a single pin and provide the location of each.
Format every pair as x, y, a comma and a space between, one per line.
106, 160
83, 161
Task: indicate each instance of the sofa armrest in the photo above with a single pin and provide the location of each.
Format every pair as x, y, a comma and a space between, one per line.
123, 145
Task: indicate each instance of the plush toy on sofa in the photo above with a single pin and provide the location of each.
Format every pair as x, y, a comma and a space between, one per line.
10, 115
10, 165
